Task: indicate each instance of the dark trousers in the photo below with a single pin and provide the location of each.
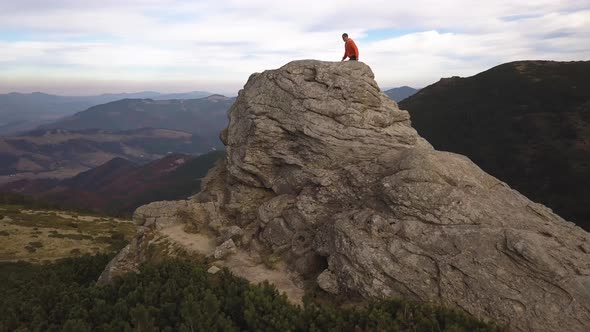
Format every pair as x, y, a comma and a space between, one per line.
353, 58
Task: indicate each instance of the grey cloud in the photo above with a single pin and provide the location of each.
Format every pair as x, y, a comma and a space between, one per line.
35, 6
558, 34
39, 6
519, 17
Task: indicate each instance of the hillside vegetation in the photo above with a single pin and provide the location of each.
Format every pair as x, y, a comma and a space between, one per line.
178, 295
526, 122
119, 186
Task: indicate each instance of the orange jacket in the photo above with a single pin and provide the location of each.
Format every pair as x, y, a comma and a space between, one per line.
350, 49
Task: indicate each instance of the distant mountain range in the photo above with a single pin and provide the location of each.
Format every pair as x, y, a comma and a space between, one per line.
139, 130
205, 116
119, 186
61, 153
25, 111
401, 93
525, 122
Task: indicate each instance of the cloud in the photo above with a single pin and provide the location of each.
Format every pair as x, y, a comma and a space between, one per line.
412, 43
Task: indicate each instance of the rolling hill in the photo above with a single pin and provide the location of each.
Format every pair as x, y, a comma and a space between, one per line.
401, 93
25, 111
119, 186
59, 153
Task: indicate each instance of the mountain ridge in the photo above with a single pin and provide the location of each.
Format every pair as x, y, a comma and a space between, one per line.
25, 111
526, 122
205, 116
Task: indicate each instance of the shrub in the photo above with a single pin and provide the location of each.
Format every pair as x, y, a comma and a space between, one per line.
179, 295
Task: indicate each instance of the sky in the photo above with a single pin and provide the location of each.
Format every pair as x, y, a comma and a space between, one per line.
76, 47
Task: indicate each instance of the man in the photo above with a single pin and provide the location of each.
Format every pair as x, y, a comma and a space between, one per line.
350, 49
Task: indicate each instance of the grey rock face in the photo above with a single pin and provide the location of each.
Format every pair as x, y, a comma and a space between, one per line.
230, 233
129, 258
322, 167
160, 214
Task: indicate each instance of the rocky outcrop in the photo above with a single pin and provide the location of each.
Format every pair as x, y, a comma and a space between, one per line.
129, 259
324, 171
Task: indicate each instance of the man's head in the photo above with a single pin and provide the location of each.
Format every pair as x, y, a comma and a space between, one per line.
345, 36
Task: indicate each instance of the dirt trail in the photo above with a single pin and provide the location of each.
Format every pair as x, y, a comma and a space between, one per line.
195, 242
240, 263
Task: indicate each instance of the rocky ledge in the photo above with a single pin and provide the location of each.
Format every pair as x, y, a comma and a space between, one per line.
325, 172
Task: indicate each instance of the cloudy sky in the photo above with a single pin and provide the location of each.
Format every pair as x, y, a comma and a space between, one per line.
77, 47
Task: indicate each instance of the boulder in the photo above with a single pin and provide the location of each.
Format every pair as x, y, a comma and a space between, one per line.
225, 249
327, 281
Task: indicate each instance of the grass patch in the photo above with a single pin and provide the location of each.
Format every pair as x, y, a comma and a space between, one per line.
33, 246
271, 261
77, 237
62, 234
65, 221
36, 244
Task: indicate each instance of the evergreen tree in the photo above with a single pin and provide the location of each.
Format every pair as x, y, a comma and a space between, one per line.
178, 295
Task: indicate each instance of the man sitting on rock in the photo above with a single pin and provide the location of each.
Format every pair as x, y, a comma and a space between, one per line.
350, 49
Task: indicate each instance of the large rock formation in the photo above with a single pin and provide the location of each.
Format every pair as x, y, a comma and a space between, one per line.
326, 172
